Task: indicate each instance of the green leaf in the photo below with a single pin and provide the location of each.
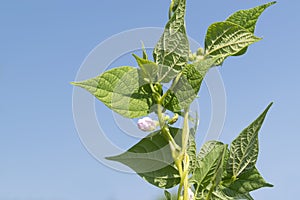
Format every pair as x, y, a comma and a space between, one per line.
248, 181
149, 69
247, 19
244, 149
208, 169
121, 90
188, 85
168, 195
226, 39
172, 49
151, 158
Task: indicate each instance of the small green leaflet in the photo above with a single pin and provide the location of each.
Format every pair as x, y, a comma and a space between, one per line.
172, 49
244, 149
152, 73
121, 90
151, 158
226, 39
149, 69
145, 56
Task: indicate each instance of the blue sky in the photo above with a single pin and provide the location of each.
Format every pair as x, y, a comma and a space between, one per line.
43, 44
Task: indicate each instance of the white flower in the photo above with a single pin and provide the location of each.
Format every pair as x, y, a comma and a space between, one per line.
191, 194
147, 124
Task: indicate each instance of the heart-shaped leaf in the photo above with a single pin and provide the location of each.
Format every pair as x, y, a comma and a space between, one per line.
122, 90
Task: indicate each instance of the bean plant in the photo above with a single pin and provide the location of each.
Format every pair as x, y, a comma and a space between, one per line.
166, 86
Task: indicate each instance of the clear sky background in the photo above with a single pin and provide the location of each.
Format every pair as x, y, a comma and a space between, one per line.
42, 45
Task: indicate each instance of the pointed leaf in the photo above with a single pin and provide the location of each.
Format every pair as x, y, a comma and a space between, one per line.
244, 149
172, 49
149, 69
226, 39
145, 55
121, 90
151, 158
248, 19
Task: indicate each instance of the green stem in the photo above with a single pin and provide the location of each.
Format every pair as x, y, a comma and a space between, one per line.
163, 126
184, 158
185, 177
179, 155
174, 83
185, 130
165, 130
179, 167
209, 194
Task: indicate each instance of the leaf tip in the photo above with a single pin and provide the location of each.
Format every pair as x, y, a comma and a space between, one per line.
135, 56
74, 83
78, 84
269, 106
266, 110
269, 185
112, 158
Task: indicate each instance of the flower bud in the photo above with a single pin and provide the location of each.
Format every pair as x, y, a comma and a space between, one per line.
200, 52
147, 124
174, 119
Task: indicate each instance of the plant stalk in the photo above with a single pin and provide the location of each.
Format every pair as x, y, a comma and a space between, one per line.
179, 155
